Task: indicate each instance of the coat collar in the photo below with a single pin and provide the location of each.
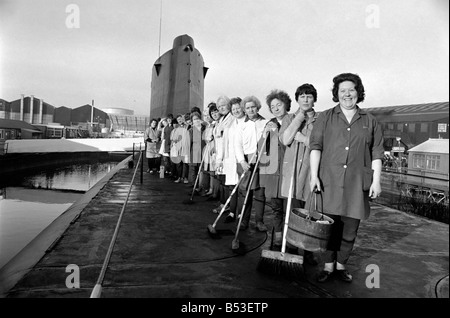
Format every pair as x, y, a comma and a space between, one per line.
337, 110
259, 117
359, 112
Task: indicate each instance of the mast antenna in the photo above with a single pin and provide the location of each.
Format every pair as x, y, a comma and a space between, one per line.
160, 23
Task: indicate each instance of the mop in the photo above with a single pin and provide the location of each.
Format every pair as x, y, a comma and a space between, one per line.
236, 246
212, 228
191, 200
282, 263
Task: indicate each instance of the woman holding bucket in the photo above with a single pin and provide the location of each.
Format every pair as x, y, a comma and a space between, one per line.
346, 151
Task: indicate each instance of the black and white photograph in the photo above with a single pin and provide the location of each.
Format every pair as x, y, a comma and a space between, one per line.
224, 156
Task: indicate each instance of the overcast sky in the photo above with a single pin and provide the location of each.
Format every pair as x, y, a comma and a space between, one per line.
400, 48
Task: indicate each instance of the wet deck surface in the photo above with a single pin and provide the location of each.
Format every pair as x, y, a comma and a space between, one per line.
163, 250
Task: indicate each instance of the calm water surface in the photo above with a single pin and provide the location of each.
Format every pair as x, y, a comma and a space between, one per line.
31, 203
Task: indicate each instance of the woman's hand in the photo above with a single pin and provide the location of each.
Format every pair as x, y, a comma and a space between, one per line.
271, 126
245, 166
300, 137
314, 184
375, 190
300, 115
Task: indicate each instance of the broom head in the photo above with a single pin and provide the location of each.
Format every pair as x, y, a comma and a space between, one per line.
238, 247
188, 202
213, 232
287, 265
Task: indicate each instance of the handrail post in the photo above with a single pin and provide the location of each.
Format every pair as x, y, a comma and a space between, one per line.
142, 165
133, 151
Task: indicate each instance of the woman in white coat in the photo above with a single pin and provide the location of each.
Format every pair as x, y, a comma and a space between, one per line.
229, 161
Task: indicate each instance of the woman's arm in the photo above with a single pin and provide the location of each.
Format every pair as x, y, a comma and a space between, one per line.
375, 187
292, 129
314, 161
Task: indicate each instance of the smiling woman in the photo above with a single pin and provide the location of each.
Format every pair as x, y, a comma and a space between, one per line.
346, 151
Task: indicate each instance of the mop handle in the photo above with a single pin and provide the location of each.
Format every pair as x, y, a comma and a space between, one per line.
288, 207
228, 200
231, 195
198, 174
250, 183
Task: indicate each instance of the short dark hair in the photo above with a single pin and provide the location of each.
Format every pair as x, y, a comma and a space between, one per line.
306, 89
355, 79
235, 100
196, 109
212, 107
282, 96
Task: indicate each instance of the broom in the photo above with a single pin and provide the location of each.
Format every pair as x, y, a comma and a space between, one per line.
212, 228
191, 200
236, 246
282, 263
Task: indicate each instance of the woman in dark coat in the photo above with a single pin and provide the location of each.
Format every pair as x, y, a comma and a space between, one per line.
279, 104
346, 151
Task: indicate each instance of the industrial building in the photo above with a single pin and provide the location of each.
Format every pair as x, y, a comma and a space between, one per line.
123, 122
28, 109
30, 117
407, 126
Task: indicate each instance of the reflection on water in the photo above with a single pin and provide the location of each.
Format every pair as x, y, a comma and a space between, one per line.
31, 203
76, 177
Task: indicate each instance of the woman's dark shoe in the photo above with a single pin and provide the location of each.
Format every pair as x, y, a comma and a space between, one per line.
229, 219
243, 226
324, 276
261, 227
310, 259
344, 275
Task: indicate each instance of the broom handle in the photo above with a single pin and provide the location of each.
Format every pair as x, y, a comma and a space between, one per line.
250, 184
198, 174
288, 207
228, 200
231, 195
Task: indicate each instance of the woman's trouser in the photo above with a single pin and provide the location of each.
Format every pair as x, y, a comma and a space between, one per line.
223, 189
234, 200
342, 239
205, 180
152, 163
193, 171
259, 203
165, 162
182, 170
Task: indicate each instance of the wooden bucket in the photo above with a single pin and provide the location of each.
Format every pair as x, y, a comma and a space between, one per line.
305, 233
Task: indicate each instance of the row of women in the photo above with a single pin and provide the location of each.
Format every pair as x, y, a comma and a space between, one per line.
335, 155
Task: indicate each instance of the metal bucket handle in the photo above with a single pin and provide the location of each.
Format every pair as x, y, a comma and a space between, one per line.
308, 217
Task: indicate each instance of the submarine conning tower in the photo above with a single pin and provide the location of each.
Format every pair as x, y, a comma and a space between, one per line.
178, 78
